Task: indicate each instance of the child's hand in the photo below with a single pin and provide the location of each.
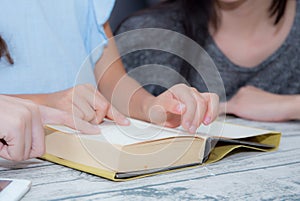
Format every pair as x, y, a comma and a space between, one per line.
183, 105
87, 103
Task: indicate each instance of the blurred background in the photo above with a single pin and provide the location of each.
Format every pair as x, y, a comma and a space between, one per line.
124, 8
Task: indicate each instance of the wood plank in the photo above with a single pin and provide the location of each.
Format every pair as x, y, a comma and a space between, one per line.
243, 176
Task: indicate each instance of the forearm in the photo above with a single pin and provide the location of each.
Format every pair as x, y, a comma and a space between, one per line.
293, 107
124, 92
126, 95
37, 98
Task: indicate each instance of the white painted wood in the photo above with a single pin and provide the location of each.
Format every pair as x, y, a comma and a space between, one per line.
243, 176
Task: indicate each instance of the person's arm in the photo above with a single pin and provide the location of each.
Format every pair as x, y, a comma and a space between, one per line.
40, 99
294, 105
22, 127
113, 80
255, 104
83, 101
179, 105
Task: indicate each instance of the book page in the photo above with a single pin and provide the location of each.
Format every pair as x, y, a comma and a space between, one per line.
137, 132
140, 131
233, 131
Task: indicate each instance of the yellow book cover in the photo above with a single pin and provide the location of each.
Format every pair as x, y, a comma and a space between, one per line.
121, 153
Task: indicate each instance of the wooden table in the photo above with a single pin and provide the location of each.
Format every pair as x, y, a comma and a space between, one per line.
243, 176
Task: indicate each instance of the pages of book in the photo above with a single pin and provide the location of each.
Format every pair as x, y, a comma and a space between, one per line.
137, 132
140, 131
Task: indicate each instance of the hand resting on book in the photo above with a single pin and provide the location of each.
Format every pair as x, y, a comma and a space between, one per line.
22, 127
185, 106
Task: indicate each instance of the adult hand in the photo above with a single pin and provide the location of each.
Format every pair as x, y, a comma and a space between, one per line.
183, 105
255, 104
87, 103
22, 127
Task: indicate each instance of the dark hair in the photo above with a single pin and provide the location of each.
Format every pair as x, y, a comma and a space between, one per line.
277, 8
197, 14
4, 51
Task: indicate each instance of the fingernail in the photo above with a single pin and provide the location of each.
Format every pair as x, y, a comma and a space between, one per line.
187, 124
193, 129
180, 107
126, 121
207, 120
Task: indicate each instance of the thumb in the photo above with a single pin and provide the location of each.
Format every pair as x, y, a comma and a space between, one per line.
54, 116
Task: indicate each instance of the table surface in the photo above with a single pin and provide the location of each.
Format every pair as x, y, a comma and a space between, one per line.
243, 176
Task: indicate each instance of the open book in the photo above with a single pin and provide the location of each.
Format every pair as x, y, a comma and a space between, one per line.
142, 149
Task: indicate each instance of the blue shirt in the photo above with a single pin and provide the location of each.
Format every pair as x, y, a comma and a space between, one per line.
49, 41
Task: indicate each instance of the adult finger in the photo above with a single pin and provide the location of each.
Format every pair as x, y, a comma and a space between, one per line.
12, 129
100, 105
77, 112
53, 116
84, 110
34, 144
118, 117
27, 133
11, 148
37, 133
15, 140
101, 113
24, 130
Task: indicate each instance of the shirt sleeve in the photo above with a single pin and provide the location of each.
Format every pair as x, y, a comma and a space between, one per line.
102, 10
97, 37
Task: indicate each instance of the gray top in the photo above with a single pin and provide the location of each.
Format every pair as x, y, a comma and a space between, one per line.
279, 73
